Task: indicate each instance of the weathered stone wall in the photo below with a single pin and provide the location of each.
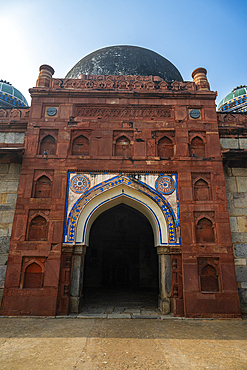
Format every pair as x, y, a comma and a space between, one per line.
233, 143
236, 188
9, 180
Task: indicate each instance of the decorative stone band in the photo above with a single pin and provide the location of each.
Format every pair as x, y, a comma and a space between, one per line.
131, 83
124, 112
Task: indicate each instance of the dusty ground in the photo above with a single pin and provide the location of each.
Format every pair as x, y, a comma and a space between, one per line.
67, 343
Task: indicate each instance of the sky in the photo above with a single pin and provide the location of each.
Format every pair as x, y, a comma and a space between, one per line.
189, 33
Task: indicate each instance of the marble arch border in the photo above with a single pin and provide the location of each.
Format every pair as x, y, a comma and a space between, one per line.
160, 213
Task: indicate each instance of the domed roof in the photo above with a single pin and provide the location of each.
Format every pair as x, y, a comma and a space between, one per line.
235, 101
10, 97
125, 60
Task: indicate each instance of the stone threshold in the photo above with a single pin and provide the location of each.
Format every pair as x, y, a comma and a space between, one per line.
105, 316
117, 316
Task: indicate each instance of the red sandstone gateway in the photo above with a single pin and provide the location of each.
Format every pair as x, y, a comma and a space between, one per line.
122, 185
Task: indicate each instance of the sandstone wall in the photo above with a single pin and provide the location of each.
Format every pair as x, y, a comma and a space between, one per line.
9, 181
236, 188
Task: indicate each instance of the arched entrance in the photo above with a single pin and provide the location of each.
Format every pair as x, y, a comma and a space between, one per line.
121, 263
103, 197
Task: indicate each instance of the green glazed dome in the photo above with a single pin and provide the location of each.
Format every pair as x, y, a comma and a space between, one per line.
235, 101
10, 97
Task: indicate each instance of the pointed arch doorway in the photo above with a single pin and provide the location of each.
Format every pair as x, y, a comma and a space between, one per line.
121, 263
154, 208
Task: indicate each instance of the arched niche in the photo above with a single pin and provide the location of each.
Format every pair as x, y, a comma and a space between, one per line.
197, 147
205, 231
38, 229
165, 148
209, 279
130, 197
201, 190
80, 146
42, 187
48, 145
33, 275
122, 147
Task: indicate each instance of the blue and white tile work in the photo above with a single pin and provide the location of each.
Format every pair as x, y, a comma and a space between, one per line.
159, 190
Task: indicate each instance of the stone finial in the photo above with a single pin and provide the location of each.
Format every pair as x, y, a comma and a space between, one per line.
45, 76
199, 76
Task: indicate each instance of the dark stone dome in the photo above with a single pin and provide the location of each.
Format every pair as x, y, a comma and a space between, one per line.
125, 60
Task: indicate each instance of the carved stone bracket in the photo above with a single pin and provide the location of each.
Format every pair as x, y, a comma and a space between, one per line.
163, 250
67, 248
76, 249
80, 249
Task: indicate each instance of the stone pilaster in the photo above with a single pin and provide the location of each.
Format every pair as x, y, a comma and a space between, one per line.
164, 300
76, 286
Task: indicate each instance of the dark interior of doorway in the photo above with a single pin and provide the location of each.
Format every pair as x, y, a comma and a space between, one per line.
121, 264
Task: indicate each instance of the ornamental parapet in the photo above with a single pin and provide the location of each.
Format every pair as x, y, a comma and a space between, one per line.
231, 121
14, 119
14, 114
129, 83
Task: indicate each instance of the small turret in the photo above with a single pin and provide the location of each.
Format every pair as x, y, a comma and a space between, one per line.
45, 75
199, 76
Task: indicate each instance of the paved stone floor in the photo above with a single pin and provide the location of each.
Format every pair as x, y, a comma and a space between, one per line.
120, 303
91, 344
